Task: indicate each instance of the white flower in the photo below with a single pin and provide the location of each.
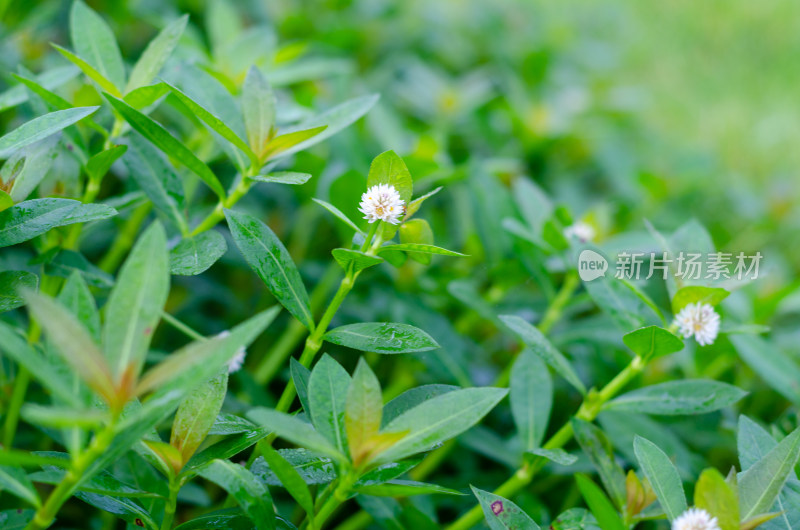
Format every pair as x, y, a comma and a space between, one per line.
237, 361
699, 320
382, 203
695, 519
582, 231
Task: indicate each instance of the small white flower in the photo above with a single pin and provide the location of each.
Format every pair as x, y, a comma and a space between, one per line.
699, 320
237, 361
582, 231
695, 519
382, 203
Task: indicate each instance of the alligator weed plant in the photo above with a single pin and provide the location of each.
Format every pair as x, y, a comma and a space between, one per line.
222, 309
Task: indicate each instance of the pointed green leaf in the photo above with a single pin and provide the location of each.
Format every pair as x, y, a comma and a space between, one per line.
663, 477
40, 128
539, 344
290, 479
382, 337
252, 496
300, 377
296, 431
258, 108
34, 217
693, 294
714, 495
283, 177
602, 509
286, 141
194, 255
596, 446
135, 304
197, 414
363, 410
270, 260
531, 395
501, 513
357, 259
15, 481
327, 397
95, 42
439, 419
762, 482
156, 54
338, 213
417, 232
91, 72
171, 146
404, 488
678, 397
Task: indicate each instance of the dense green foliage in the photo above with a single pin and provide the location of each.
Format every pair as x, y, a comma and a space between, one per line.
199, 328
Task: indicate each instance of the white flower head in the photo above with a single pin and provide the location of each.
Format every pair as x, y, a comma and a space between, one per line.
582, 231
237, 361
695, 519
699, 320
382, 203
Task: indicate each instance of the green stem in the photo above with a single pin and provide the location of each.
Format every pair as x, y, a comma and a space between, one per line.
171, 505
218, 213
591, 406
47, 512
17, 399
180, 326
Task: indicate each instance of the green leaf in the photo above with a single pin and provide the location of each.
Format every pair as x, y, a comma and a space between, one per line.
296, 431
357, 259
197, 414
404, 488
95, 42
227, 519
258, 108
389, 471
300, 377
203, 359
216, 124
41, 127
364, 408
135, 304
334, 120
714, 495
774, 366
171, 146
61, 417
388, 168
16, 519
559, 456
595, 444
327, 397
126, 509
194, 255
762, 482
284, 142
32, 218
157, 178
694, 294
14, 480
90, 71
602, 509
270, 260
415, 205
312, 467
99, 164
539, 344
156, 54
575, 519
501, 513
411, 398
64, 263
531, 396
226, 449
675, 398
417, 232
662, 475
143, 97
339, 214
14, 345
74, 344
11, 285
439, 419
652, 342
29, 166
382, 337
5, 200
283, 177
290, 479
252, 496
625, 304
49, 80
